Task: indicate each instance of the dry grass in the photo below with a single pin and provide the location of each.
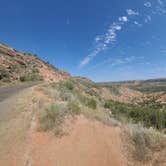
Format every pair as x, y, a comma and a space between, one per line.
145, 141
76, 101
53, 116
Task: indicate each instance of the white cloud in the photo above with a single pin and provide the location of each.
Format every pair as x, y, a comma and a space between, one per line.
108, 38
98, 38
160, 2
160, 10
148, 18
85, 61
111, 35
117, 62
145, 63
120, 61
102, 42
130, 59
137, 23
131, 12
148, 4
88, 58
123, 19
116, 27
157, 9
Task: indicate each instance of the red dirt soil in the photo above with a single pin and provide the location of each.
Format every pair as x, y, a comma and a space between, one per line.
88, 143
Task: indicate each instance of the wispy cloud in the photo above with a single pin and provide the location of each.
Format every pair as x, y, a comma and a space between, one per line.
148, 18
148, 4
110, 37
158, 7
115, 62
123, 19
131, 12
160, 2
137, 23
120, 61
102, 42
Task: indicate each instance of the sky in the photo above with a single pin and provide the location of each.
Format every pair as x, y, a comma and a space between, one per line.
104, 40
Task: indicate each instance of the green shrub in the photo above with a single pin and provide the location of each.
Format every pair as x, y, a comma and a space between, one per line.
74, 108
91, 103
145, 141
148, 113
82, 98
4, 74
69, 85
51, 117
107, 104
66, 96
140, 141
31, 77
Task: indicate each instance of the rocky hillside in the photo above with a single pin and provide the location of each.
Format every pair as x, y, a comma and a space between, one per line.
20, 66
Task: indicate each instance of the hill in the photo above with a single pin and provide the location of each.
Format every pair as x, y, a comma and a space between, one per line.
20, 66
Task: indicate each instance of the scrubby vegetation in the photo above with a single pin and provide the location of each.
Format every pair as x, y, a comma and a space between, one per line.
70, 97
4, 74
145, 141
149, 88
52, 117
74, 108
91, 103
149, 113
79, 95
31, 77
145, 119
113, 88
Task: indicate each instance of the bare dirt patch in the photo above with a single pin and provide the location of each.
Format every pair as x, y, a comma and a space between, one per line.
88, 143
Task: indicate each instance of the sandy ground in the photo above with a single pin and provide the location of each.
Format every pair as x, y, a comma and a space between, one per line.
87, 143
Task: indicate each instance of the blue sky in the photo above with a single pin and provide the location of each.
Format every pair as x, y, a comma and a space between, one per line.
105, 40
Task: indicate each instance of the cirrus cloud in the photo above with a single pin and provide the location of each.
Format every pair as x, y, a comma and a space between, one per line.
131, 12
102, 42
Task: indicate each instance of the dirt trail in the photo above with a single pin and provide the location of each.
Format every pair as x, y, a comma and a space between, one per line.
8, 98
88, 143
16, 115
6, 92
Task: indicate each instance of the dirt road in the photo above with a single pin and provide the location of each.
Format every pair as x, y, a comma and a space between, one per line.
8, 97
6, 92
